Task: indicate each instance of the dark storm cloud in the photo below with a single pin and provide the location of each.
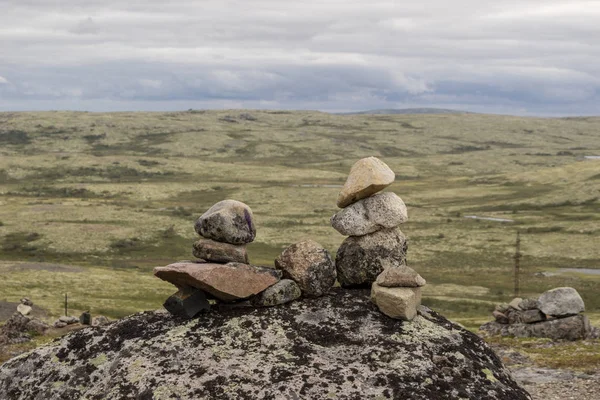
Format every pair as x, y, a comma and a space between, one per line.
523, 57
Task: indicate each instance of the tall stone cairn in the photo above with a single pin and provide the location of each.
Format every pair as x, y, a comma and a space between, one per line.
374, 253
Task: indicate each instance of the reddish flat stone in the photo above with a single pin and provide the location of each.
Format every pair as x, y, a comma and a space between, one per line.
227, 282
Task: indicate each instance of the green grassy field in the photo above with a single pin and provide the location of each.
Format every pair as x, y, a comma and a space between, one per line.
118, 193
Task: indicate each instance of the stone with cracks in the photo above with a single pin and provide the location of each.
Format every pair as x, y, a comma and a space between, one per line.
360, 259
399, 303
561, 301
335, 346
402, 276
282, 292
382, 210
367, 176
309, 265
220, 252
226, 282
228, 221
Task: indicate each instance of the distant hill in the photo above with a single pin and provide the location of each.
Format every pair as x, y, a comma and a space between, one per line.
409, 111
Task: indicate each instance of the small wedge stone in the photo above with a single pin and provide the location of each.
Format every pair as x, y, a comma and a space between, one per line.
398, 303
187, 302
400, 276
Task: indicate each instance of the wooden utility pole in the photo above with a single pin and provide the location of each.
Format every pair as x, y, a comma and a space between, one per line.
517, 258
66, 300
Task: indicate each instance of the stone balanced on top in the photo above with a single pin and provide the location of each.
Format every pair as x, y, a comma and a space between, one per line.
375, 251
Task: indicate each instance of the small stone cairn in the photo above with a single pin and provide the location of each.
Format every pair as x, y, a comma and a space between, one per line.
556, 314
374, 254
222, 273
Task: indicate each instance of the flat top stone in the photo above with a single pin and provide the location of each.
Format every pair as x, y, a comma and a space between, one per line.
227, 282
367, 176
400, 276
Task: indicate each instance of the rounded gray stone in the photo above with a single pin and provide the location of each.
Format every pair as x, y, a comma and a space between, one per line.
382, 210
309, 265
282, 292
562, 301
360, 259
228, 221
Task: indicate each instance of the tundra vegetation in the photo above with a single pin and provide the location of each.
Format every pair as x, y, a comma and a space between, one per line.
116, 194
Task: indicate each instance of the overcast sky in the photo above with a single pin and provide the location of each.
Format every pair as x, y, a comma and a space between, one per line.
526, 57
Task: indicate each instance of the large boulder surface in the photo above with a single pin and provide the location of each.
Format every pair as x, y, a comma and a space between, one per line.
382, 210
335, 346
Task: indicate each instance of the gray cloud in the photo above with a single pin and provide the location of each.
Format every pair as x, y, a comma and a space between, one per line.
521, 57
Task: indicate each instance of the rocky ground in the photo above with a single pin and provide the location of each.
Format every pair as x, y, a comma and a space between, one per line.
548, 383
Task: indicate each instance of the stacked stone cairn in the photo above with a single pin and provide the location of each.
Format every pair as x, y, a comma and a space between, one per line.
374, 254
556, 314
222, 273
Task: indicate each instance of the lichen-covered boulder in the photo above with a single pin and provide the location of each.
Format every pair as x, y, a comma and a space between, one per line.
367, 176
382, 210
228, 221
211, 250
226, 282
561, 301
336, 346
309, 265
360, 259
